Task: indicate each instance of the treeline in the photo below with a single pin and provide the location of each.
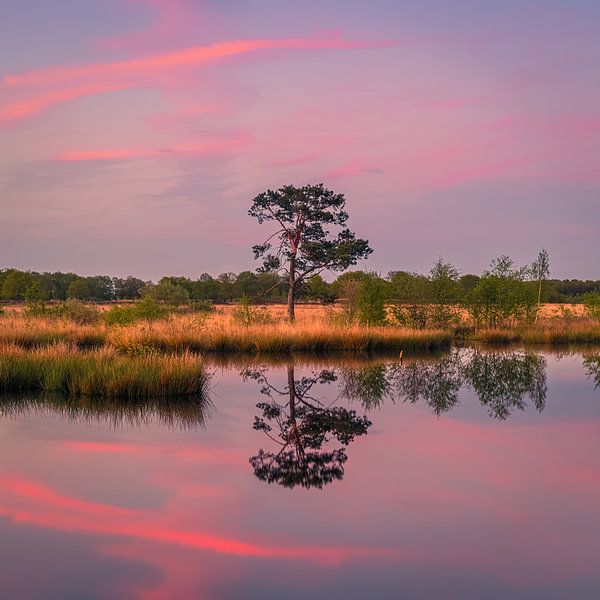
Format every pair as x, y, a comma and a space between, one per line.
400, 286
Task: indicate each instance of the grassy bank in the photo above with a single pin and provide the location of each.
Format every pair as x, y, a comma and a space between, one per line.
221, 334
63, 369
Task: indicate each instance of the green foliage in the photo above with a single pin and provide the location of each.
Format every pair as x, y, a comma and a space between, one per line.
591, 301
318, 289
78, 312
14, 285
502, 297
311, 234
203, 306
120, 316
539, 271
150, 310
246, 314
146, 309
166, 293
80, 289
370, 306
128, 288
412, 295
445, 294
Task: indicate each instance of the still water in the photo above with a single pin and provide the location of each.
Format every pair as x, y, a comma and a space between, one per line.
471, 474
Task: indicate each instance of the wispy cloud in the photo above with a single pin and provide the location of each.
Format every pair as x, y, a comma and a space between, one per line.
211, 147
46, 87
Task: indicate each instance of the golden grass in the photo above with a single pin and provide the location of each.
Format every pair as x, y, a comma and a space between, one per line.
547, 331
312, 333
221, 334
64, 369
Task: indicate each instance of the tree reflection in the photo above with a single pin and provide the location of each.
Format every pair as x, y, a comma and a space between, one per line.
503, 380
369, 385
298, 422
435, 383
592, 366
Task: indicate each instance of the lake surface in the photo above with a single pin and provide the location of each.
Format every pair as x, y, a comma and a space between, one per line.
471, 474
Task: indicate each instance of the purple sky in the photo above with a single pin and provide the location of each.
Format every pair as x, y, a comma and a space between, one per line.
135, 133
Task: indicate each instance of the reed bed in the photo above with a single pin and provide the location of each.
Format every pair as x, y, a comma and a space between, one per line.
552, 332
318, 336
277, 338
63, 369
221, 334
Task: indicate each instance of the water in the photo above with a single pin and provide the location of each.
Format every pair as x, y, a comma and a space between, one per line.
468, 475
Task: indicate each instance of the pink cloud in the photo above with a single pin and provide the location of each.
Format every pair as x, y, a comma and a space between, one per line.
355, 167
186, 57
213, 147
28, 107
95, 78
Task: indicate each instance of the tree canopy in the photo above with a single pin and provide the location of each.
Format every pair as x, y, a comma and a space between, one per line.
311, 234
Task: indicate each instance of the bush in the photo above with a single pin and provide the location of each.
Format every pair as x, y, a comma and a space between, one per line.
591, 302
203, 306
35, 308
120, 315
502, 297
78, 312
149, 310
246, 314
371, 302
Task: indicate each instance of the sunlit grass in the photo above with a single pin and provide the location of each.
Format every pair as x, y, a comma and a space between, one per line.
222, 334
313, 333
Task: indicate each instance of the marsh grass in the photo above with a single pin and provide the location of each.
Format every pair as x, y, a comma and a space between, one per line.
222, 334
551, 331
314, 334
63, 369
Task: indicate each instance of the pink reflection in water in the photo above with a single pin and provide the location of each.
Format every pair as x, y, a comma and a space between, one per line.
514, 502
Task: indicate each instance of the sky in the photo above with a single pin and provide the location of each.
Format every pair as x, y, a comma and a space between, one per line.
134, 134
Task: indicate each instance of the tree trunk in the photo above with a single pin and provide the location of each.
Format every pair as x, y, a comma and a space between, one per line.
291, 300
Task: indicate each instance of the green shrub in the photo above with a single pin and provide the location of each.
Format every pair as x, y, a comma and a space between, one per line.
77, 311
35, 308
371, 302
591, 302
120, 315
246, 314
203, 306
149, 310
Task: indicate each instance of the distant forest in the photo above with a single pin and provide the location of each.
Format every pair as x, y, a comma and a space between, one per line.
17, 286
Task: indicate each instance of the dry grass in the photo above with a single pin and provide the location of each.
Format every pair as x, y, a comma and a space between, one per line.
313, 333
547, 331
221, 334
